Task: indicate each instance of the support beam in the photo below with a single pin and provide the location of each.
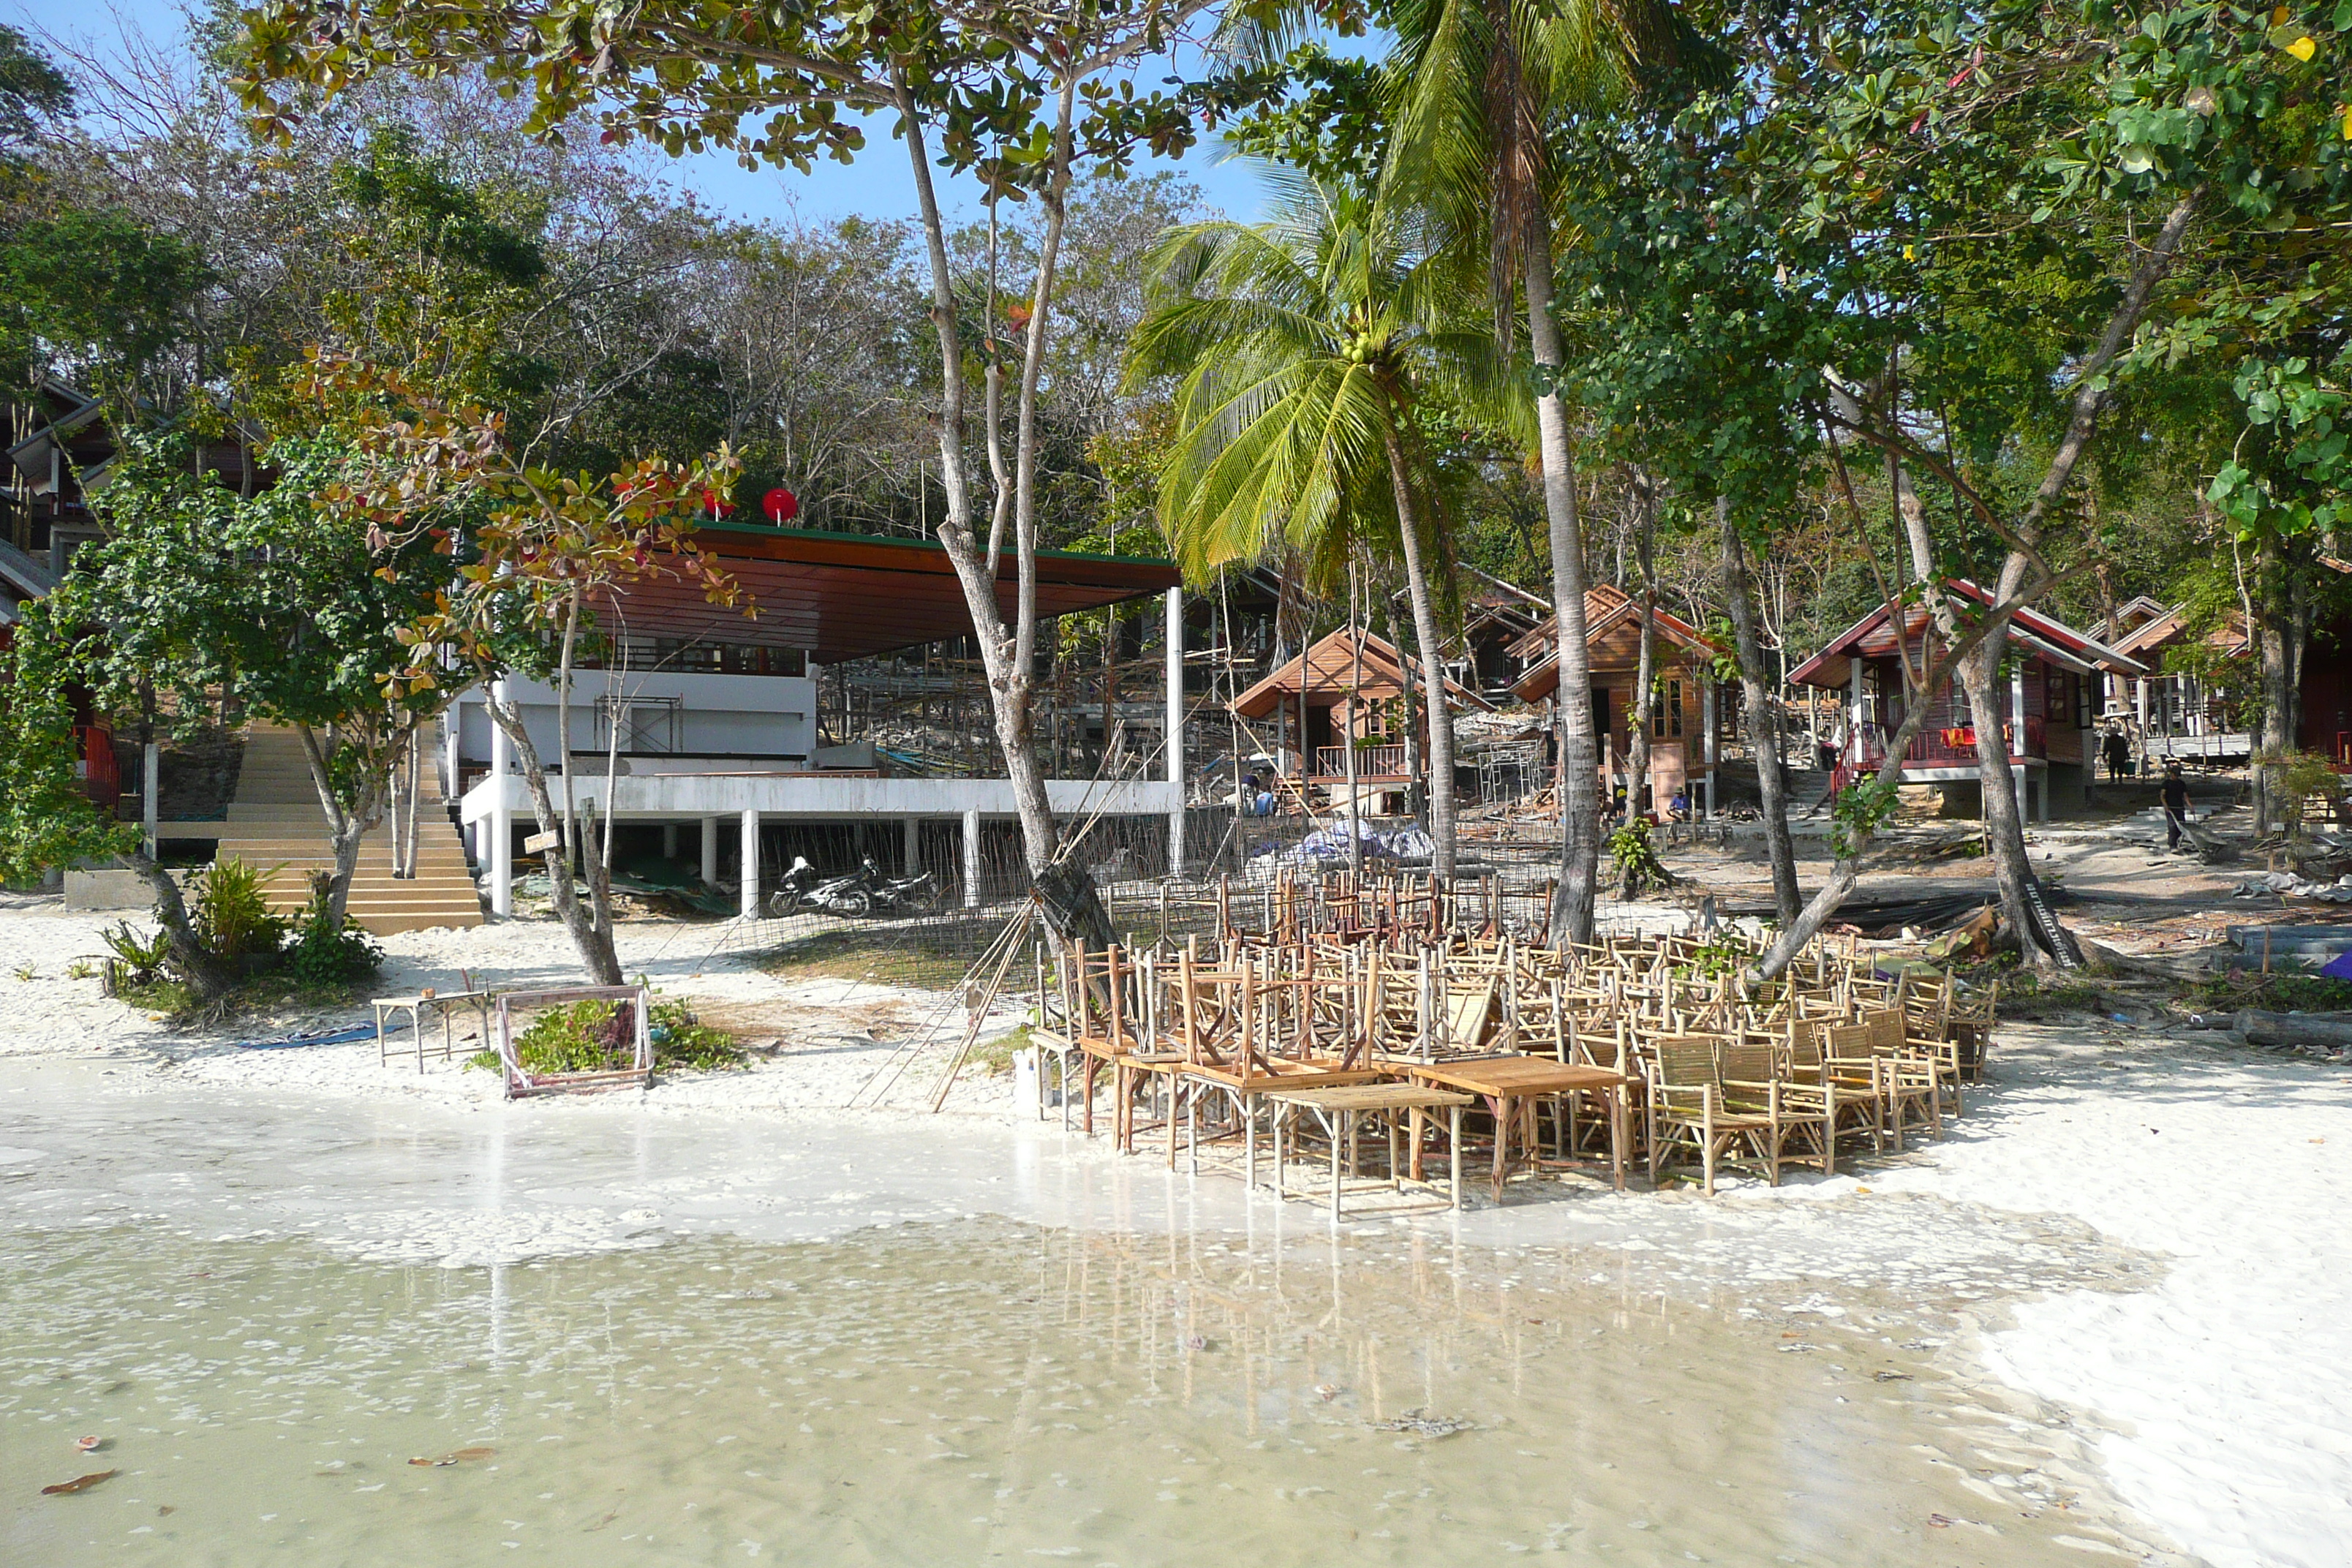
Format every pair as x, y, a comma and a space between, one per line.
669, 840
1173, 729
501, 825
710, 852
751, 899
972, 859
150, 767
452, 762
912, 859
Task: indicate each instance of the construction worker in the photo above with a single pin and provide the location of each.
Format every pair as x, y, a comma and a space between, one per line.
2175, 796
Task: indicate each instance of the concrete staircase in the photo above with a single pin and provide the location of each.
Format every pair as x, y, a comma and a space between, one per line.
275, 821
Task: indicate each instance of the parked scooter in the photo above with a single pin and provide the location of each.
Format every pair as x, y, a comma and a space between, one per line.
856, 894
792, 890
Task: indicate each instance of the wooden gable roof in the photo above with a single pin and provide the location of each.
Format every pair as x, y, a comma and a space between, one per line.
1333, 666
1612, 642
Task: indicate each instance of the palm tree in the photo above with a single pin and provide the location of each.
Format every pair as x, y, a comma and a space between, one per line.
1481, 84
1304, 346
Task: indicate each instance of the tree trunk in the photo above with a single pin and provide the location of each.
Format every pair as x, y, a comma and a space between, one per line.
1786, 900
1070, 903
1433, 665
1579, 811
1645, 663
206, 981
2001, 788
593, 938
1853, 849
345, 829
2276, 647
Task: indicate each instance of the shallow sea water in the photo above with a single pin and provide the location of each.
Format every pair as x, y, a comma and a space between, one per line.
988, 1390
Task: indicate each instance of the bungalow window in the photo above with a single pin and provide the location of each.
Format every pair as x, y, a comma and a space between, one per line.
1666, 710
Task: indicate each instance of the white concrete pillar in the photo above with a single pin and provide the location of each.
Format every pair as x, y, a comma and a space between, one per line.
972, 859
150, 767
1173, 728
501, 818
710, 852
452, 762
669, 840
750, 900
1855, 714
912, 856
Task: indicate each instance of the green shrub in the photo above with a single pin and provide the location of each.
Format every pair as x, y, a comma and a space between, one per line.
327, 950
232, 915
140, 959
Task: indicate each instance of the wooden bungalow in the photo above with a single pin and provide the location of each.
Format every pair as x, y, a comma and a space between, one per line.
1353, 690
1685, 713
2182, 715
2051, 724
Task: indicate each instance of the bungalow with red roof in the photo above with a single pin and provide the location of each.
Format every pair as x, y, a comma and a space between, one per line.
2053, 713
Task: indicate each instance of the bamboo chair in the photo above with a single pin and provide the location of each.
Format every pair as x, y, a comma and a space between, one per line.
1890, 1038
1855, 1084
1796, 1115
1907, 1083
1972, 1030
1689, 1107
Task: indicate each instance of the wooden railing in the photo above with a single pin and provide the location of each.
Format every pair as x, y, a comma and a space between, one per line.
1956, 744
1371, 762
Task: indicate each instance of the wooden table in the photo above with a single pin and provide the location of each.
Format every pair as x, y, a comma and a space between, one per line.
445, 1003
1511, 1084
1336, 1109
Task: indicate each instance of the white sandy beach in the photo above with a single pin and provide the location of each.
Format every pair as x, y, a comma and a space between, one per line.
2207, 1372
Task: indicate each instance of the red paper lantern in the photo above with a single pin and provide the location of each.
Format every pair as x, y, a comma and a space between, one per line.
780, 505
715, 506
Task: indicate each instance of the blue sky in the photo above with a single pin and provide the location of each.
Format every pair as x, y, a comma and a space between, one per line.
878, 185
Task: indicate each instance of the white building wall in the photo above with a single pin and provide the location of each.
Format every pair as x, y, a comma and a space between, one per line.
765, 716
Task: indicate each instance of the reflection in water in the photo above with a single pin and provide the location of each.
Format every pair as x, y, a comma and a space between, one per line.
967, 1392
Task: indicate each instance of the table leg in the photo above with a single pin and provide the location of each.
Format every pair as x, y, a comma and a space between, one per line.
1192, 1133
1344, 1132
1173, 1089
1453, 1148
1396, 1171
1249, 1140
1276, 1120
1617, 1135
1504, 1111
1419, 1118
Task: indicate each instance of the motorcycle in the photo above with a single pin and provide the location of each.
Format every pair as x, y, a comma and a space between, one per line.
793, 890
856, 894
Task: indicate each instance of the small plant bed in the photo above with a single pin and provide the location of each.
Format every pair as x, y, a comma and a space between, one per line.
315, 961
580, 1037
2242, 989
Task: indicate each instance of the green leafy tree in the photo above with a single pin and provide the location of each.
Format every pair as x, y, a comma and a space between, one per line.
1020, 99
1304, 347
1482, 88
47, 820
200, 600
539, 553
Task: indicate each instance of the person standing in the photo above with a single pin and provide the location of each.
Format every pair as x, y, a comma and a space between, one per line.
2118, 753
2175, 796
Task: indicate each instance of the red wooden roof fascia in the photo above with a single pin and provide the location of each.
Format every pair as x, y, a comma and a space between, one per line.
842, 596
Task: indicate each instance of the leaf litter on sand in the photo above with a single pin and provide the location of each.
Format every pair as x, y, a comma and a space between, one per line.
80, 1483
